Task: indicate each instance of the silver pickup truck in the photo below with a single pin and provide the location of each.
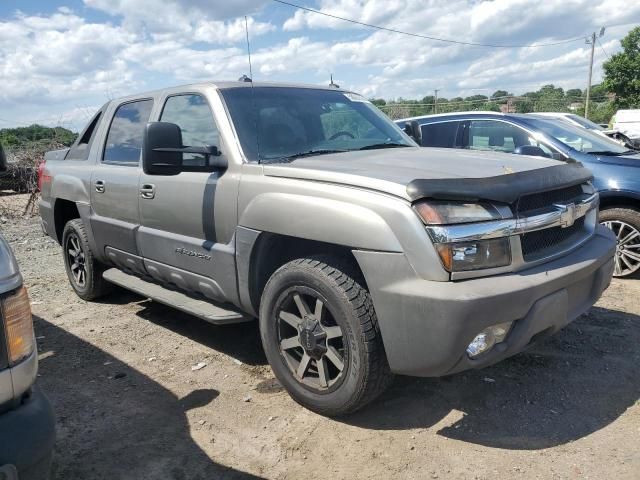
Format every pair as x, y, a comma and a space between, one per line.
361, 254
27, 423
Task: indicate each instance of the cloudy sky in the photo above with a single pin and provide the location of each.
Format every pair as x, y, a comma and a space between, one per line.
61, 59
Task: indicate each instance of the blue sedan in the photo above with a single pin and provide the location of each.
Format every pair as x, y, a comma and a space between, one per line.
615, 168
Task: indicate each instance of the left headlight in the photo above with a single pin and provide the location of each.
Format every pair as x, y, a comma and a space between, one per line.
445, 217
18, 324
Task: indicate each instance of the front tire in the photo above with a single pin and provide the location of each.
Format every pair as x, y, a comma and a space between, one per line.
321, 337
625, 223
83, 270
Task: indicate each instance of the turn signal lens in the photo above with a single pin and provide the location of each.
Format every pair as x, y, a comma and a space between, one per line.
465, 256
16, 312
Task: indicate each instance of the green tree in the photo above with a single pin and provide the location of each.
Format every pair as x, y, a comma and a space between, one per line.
573, 94
622, 72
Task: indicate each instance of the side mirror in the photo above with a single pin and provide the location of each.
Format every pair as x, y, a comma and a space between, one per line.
414, 131
3, 160
530, 150
162, 151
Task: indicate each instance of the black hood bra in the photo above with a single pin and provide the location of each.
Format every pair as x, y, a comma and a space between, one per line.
505, 188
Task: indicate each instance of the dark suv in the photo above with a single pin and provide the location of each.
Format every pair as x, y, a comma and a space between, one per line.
615, 168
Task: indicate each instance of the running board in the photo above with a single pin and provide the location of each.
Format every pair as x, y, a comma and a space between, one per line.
173, 298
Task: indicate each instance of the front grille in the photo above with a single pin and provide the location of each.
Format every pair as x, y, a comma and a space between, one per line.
547, 199
543, 243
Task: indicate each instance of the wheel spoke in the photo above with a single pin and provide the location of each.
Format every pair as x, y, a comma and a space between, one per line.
82, 276
304, 364
318, 311
633, 255
75, 244
289, 343
333, 332
291, 319
629, 237
77, 275
322, 372
73, 253
618, 267
333, 355
623, 257
301, 304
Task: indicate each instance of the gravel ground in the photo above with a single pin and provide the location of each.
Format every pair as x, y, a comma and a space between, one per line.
129, 406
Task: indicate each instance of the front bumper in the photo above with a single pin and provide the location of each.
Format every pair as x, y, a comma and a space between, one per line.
27, 436
427, 325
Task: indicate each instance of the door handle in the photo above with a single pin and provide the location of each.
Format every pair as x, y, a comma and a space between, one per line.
99, 184
148, 191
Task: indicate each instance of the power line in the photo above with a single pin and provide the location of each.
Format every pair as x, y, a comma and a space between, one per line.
602, 47
427, 37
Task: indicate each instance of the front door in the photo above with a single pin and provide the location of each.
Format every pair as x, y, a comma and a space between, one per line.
177, 236
114, 185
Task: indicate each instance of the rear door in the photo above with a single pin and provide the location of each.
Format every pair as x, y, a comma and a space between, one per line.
178, 237
114, 185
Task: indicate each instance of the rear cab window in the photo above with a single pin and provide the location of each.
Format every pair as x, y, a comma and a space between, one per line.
124, 139
81, 148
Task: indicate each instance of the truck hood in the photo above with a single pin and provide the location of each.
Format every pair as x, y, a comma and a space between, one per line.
392, 170
9, 274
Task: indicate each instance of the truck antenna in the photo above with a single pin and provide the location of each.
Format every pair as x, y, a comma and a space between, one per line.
246, 29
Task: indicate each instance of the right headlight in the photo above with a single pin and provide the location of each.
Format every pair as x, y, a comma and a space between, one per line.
467, 255
437, 212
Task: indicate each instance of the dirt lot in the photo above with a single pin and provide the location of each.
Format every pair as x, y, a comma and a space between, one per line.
129, 406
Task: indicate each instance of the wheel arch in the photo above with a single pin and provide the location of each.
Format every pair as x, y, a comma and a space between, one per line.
260, 254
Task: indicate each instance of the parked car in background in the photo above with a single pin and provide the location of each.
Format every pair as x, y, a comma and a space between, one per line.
579, 121
628, 123
27, 431
616, 168
306, 208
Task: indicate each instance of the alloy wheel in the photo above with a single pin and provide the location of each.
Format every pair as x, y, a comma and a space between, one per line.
627, 257
311, 342
76, 259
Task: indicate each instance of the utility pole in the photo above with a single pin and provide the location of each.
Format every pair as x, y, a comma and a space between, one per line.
435, 102
591, 41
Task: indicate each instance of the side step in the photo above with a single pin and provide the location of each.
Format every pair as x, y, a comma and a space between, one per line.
176, 299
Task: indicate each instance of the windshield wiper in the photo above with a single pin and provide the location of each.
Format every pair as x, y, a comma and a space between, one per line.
376, 146
614, 154
309, 153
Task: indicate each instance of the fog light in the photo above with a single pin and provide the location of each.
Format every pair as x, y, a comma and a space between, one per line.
488, 338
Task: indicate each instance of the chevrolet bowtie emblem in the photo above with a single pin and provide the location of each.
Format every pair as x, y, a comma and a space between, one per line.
567, 214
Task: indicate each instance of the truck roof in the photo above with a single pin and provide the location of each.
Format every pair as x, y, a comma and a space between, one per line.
225, 84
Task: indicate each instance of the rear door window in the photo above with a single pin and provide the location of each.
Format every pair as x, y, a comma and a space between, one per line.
124, 140
441, 134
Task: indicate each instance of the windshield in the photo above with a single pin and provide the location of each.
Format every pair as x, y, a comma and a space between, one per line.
584, 122
579, 139
280, 123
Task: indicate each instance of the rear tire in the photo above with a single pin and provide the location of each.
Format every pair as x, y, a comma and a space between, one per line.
625, 223
320, 334
83, 270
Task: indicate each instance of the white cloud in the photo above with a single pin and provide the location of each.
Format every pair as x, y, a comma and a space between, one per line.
62, 62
